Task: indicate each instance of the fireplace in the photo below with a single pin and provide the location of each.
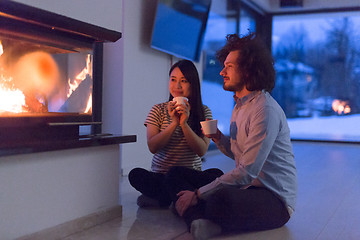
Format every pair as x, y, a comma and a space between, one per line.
50, 76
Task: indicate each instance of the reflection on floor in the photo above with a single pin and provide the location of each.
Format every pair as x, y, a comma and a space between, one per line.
328, 205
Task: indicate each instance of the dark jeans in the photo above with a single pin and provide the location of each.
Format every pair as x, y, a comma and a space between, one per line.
232, 208
152, 184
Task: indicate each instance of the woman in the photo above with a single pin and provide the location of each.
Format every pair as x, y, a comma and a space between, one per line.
174, 136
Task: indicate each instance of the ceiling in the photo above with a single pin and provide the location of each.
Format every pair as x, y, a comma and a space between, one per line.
273, 6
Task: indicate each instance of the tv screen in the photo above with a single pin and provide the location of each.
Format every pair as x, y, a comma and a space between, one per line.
179, 27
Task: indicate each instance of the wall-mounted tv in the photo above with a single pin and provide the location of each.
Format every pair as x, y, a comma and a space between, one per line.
179, 27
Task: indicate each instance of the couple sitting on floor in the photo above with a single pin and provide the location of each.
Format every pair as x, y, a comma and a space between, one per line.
260, 192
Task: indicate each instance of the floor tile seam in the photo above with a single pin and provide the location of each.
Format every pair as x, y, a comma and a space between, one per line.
331, 217
348, 195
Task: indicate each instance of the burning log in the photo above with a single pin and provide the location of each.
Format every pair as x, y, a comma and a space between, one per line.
32, 104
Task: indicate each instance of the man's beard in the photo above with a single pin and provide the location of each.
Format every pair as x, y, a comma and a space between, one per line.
233, 88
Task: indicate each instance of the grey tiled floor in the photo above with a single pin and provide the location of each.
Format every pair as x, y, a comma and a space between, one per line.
328, 205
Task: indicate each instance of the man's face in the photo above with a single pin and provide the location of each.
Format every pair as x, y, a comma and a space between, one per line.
231, 73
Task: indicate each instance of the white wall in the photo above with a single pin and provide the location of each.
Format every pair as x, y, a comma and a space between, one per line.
145, 74
43, 190
106, 13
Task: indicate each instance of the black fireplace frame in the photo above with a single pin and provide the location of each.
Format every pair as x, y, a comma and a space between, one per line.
58, 131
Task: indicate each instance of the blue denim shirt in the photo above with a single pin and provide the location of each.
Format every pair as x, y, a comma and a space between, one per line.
259, 142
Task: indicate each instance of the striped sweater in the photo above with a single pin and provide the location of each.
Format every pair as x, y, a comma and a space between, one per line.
177, 152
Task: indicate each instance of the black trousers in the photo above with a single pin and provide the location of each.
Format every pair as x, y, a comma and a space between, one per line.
232, 208
153, 184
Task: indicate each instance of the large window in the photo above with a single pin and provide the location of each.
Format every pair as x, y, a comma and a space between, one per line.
317, 59
226, 17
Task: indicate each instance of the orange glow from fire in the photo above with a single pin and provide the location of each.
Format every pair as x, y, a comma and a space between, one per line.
341, 107
36, 72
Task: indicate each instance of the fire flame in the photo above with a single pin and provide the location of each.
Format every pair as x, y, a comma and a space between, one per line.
87, 71
80, 77
341, 107
1, 49
89, 105
11, 99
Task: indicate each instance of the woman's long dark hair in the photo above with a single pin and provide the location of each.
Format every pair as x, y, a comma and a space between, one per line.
191, 74
255, 61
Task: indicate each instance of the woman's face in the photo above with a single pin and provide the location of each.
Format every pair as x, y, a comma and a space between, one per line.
179, 86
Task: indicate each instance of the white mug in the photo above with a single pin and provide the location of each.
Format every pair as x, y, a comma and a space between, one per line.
209, 126
180, 100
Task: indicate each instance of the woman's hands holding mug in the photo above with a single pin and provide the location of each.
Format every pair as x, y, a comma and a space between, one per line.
179, 112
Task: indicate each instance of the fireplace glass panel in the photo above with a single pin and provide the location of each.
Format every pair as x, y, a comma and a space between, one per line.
38, 80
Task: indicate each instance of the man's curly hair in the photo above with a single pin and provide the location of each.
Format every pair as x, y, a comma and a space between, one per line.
255, 61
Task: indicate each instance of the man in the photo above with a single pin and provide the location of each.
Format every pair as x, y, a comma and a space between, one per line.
260, 192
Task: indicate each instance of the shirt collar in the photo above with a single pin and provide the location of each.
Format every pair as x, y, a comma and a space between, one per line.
242, 101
